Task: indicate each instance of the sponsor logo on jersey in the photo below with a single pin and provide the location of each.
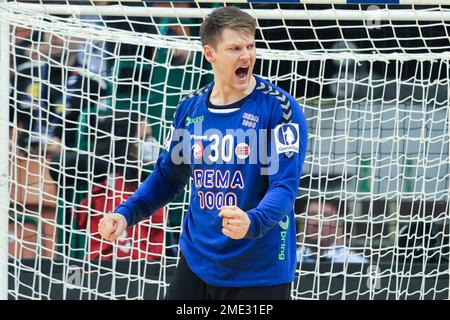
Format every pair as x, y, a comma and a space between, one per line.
250, 117
284, 223
287, 138
242, 150
216, 188
189, 120
197, 150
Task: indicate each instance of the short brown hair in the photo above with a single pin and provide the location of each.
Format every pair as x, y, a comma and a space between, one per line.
225, 18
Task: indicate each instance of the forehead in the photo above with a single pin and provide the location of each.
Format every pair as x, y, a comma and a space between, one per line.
235, 36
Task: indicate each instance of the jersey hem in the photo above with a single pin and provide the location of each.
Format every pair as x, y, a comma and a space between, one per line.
239, 284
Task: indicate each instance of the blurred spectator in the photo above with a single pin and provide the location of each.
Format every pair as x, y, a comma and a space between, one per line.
20, 59
321, 237
32, 196
115, 168
142, 241
55, 88
422, 242
22, 238
22, 38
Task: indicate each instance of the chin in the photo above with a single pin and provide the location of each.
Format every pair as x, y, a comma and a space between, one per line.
242, 86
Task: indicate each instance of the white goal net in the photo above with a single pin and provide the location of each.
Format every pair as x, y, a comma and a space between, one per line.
88, 96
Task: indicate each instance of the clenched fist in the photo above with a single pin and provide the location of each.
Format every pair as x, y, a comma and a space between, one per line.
235, 222
111, 226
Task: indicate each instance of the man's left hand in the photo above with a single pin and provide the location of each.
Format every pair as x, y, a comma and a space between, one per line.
235, 222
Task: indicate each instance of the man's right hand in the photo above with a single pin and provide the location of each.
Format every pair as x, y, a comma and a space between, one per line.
111, 226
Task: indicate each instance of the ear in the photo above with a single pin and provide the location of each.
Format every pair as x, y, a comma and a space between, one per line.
209, 53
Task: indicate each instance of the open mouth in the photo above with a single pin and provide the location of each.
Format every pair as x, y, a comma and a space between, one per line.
242, 73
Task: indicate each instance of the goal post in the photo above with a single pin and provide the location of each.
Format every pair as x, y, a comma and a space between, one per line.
92, 87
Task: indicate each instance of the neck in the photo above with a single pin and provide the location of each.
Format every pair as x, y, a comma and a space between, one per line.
222, 95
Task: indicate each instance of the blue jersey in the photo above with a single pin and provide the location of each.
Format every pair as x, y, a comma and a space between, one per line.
252, 158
